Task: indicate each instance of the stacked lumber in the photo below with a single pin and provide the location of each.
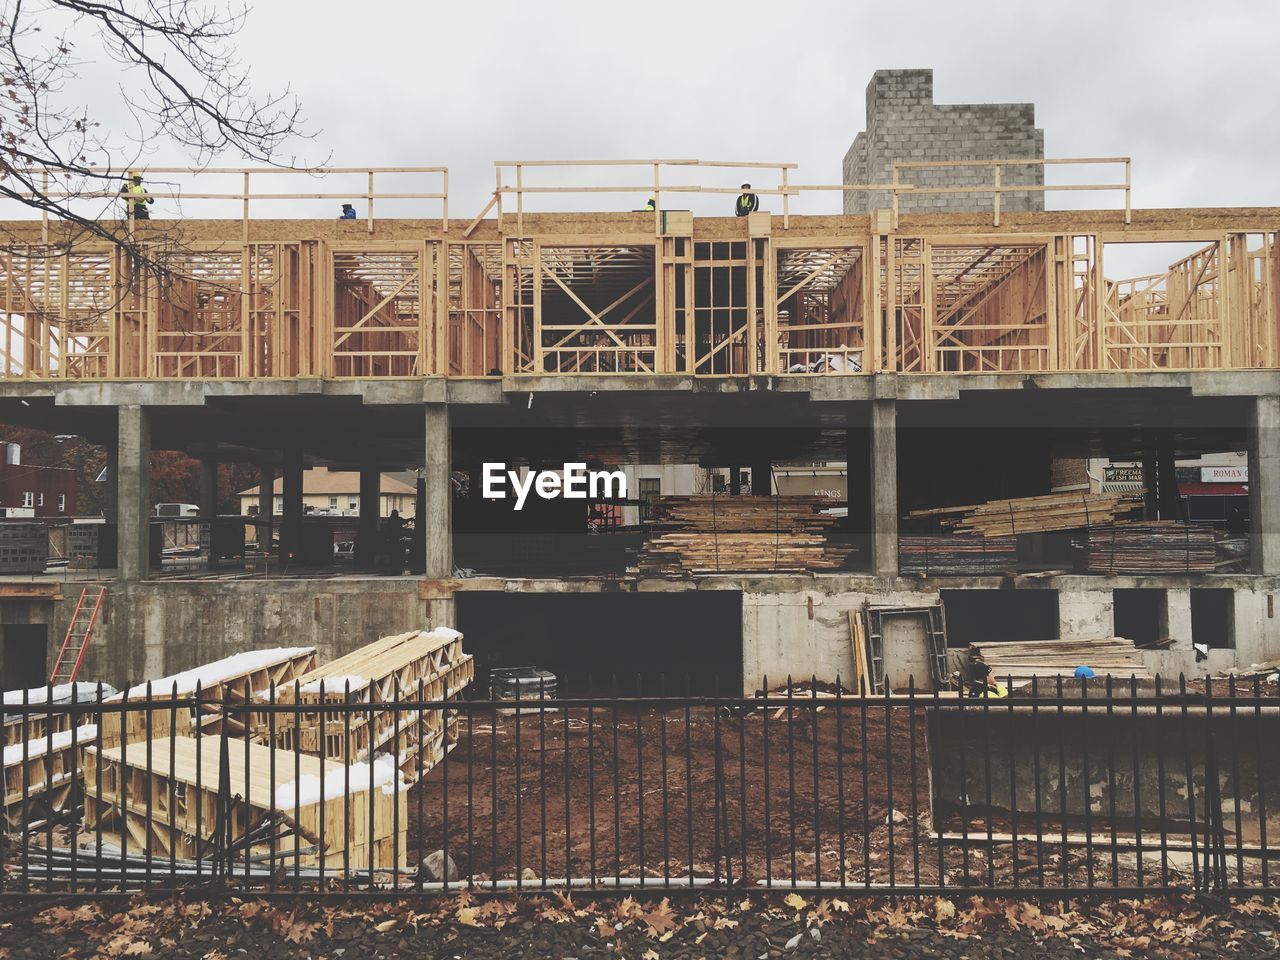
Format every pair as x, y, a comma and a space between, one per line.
233, 679
1055, 511
1158, 546
164, 794
703, 535
957, 555
1023, 660
409, 667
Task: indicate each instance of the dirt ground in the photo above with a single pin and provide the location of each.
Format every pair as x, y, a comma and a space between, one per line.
635, 794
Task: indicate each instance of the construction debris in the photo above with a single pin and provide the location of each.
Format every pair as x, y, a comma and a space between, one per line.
704, 535
409, 667
1156, 546
1025, 659
1056, 511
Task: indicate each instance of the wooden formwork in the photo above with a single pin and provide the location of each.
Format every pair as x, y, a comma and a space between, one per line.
378, 678
40, 774
163, 797
232, 680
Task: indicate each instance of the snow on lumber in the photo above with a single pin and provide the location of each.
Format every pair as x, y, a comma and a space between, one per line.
334, 684
84, 693
17, 752
309, 789
211, 674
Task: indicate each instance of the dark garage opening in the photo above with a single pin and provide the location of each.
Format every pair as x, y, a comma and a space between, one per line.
597, 636
1213, 617
1141, 615
24, 651
997, 616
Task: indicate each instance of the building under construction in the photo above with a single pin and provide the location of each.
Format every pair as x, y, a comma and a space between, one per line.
951, 359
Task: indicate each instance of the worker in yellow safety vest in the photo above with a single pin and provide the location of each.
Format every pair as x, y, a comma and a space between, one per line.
136, 197
748, 202
985, 684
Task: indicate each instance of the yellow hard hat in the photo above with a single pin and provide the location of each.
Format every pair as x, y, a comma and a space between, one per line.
134, 175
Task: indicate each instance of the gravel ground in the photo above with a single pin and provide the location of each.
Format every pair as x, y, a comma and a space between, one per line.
646, 930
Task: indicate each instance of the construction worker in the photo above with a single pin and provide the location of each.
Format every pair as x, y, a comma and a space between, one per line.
747, 203
651, 205
985, 684
136, 197
348, 212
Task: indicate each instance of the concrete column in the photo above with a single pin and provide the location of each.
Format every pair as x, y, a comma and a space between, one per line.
884, 487
1264, 485
266, 505
367, 534
858, 480
133, 485
291, 515
438, 519
209, 504
762, 478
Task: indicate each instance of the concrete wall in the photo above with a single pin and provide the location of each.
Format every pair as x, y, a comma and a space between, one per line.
1098, 754
156, 629
903, 123
782, 635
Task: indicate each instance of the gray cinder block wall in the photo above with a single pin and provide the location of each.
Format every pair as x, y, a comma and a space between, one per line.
903, 123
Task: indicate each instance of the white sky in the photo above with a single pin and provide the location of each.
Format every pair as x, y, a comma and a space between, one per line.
1185, 88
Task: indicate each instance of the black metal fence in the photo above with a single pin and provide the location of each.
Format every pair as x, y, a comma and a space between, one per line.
1062, 787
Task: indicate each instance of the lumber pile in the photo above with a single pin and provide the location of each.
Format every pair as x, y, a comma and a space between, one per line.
1023, 660
163, 797
701, 535
379, 677
234, 679
1056, 511
1158, 546
957, 555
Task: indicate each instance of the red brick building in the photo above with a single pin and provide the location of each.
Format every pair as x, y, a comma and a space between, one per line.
49, 491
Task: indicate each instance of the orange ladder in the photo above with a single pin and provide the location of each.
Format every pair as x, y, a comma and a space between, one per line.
67, 666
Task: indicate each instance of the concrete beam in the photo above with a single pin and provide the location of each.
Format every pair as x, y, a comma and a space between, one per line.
133, 485
1264, 485
884, 488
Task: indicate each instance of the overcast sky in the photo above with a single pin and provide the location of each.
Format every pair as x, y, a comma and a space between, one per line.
1188, 89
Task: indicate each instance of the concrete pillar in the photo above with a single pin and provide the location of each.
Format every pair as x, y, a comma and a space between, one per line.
1264, 485
884, 488
1172, 506
208, 497
266, 505
133, 484
367, 532
291, 515
438, 519
858, 480
762, 478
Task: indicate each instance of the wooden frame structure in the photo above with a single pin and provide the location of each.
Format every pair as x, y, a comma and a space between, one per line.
640, 293
164, 795
401, 669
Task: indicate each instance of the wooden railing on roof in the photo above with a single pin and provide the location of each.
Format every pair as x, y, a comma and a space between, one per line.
177, 184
